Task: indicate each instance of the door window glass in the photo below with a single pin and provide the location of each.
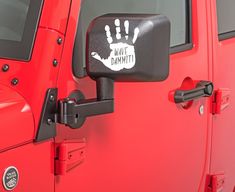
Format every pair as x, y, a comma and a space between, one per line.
226, 18
176, 11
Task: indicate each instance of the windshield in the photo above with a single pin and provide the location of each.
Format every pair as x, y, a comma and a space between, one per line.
13, 15
18, 26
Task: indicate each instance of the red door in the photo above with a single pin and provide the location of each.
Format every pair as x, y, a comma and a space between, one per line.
223, 142
149, 143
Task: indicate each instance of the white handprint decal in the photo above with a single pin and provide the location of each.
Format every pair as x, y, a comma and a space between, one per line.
122, 55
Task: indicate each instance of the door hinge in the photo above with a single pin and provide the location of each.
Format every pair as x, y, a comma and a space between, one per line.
69, 155
221, 100
216, 183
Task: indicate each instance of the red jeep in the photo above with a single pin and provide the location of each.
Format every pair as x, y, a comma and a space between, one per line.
117, 96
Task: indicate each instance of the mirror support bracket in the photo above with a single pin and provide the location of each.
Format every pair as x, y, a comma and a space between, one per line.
73, 113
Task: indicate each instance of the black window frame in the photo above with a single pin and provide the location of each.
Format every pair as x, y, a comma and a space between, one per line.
23, 50
227, 35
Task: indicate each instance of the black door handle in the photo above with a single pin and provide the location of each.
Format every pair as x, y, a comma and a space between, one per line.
203, 89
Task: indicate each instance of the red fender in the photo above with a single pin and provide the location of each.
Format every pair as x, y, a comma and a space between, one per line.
16, 118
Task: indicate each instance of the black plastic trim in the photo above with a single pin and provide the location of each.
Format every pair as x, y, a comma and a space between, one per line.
23, 50
181, 48
228, 35
47, 124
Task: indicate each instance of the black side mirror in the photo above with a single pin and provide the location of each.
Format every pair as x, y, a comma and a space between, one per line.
120, 47
126, 47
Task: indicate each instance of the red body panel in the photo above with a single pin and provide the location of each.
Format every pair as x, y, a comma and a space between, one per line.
55, 16
35, 162
35, 165
36, 76
148, 144
223, 143
16, 119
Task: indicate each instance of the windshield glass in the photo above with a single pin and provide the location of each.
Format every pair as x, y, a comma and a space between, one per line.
18, 27
13, 14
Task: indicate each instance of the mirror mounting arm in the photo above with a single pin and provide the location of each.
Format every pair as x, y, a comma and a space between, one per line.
105, 88
73, 114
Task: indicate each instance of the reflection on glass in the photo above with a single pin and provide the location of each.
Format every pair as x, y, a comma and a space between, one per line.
13, 15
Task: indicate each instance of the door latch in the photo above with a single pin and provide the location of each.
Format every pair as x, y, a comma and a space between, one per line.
221, 100
216, 183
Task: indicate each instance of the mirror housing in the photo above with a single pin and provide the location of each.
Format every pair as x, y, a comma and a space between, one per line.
129, 48
120, 47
